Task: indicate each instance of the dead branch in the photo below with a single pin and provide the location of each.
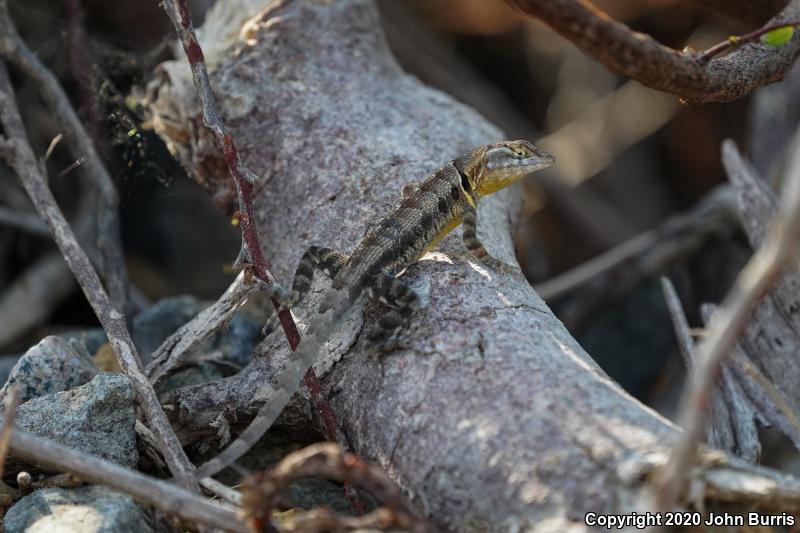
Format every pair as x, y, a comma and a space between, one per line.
23, 161
780, 248
772, 407
731, 425
243, 179
224, 492
738, 40
614, 272
98, 191
320, 520
642, 58
162, 495
327, 460
176, 348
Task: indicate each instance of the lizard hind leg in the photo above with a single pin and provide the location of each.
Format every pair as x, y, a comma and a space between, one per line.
315, 258
403, 303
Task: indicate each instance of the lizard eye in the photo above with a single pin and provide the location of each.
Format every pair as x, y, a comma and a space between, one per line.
522, 151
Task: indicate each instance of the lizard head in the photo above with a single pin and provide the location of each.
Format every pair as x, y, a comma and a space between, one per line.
495, 166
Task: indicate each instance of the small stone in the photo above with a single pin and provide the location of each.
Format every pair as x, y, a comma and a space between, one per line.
24, 480
53, 365
90, 509
97, 418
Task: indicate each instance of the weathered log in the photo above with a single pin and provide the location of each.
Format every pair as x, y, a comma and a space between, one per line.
491, 416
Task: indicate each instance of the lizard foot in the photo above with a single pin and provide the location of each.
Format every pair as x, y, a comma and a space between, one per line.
380, 345
501, 266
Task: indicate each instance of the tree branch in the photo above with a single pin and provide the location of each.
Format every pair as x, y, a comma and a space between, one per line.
98, 188
781, 247
243, 178
24, 163
642, 58
160, 494
259, 495
180, 345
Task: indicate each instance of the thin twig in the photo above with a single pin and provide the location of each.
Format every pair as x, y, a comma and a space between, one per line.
9, 417
779, 401
759, 274
98, 197
320, 520
740, 40
243, 178
616, 270
162, 495
180, 345
327, 460
680, 325
228, 494
642, 58
23, 161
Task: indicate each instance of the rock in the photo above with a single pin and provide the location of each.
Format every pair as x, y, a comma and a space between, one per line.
309, 493
234, 343
96, 418
160, 320
90, 509
90, 339
237, 342
230, 348
53, 365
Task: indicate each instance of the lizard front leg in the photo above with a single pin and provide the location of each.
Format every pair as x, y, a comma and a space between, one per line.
474, 245
403, 303
315, 258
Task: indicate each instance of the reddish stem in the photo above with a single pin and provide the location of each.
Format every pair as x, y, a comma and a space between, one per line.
244, 189
738, 40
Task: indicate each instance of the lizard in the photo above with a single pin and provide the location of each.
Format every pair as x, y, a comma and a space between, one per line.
427, 212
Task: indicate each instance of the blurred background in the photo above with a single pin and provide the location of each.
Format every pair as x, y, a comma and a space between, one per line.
631, 197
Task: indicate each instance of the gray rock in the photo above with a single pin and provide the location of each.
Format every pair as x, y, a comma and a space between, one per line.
96, 418
160, 320
90, 339
235, 343
238, 340
53, 365
90, 509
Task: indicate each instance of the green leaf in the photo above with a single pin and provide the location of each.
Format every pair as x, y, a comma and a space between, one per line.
778, 36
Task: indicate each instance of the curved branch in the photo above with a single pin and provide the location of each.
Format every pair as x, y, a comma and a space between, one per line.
642, 58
